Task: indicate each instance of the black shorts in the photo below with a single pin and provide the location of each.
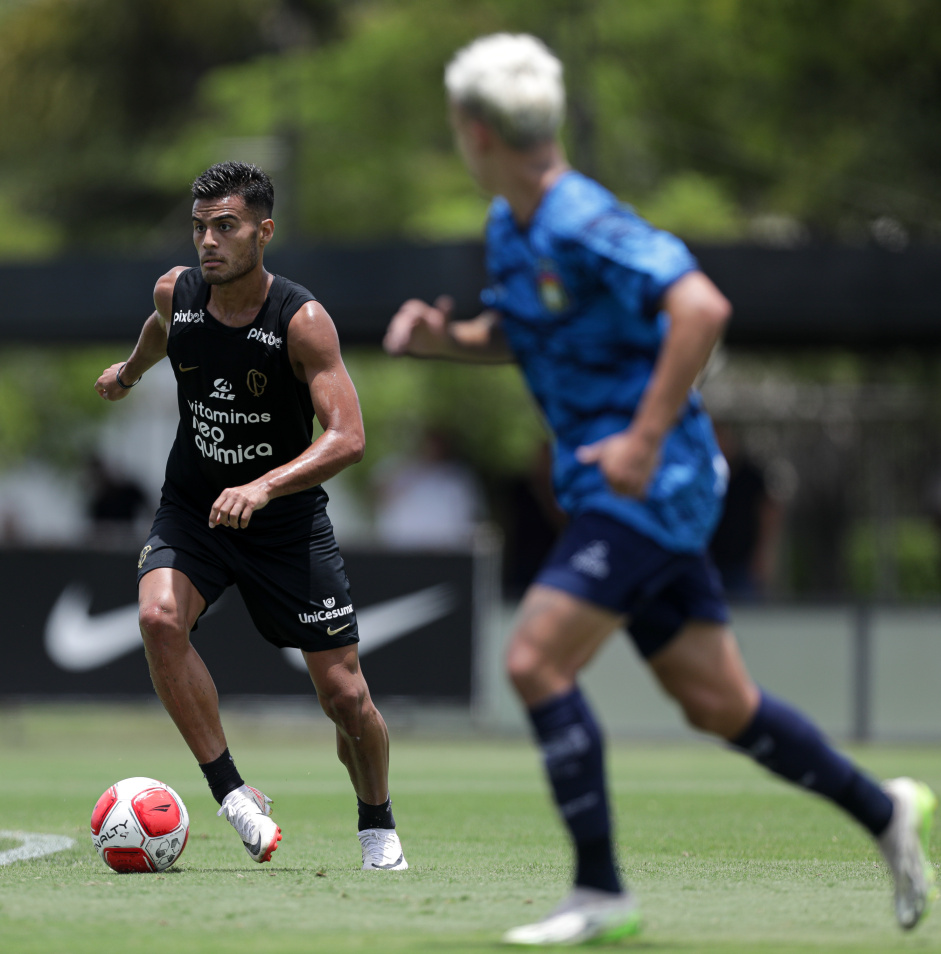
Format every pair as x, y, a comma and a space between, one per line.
613, 566
296, 592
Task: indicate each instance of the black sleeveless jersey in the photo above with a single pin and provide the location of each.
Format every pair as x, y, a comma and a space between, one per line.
242, 410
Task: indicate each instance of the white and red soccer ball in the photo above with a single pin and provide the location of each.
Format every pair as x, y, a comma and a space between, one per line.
139, 824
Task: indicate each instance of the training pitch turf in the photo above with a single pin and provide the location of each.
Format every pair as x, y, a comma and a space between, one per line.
724, 858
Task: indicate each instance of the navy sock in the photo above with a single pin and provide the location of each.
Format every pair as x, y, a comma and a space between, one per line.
787, 743
375, 816
222, 775
573, 753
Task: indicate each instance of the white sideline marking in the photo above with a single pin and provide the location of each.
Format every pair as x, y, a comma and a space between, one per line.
34, 845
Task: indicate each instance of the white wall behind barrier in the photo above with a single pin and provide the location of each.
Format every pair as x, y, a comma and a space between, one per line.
804, 655
906, 686
807, 655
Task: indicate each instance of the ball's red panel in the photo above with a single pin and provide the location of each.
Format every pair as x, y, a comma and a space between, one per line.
127, 860
102, 808
157, 811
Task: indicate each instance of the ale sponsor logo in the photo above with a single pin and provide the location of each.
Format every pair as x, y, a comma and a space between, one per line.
223, 390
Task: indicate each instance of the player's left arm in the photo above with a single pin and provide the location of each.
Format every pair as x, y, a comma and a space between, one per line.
314, 353
698, 314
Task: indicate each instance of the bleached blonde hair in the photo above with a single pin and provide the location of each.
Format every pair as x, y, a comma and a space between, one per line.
513, 83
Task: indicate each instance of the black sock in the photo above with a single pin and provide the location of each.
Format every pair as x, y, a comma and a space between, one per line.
222, 775
375, 816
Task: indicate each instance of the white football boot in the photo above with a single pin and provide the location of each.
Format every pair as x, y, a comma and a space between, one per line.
247, 811
261, 799
382, 850
904, 845
585, 916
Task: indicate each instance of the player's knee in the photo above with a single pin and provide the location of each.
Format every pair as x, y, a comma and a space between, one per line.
534, 675
161, 626
344, 706
523, 664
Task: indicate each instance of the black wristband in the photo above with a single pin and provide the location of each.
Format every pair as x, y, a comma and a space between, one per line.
117, 377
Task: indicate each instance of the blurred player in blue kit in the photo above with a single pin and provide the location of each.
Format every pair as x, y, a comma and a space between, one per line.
610, 321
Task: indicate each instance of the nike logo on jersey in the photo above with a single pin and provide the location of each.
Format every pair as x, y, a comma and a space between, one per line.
339, 629
184, 370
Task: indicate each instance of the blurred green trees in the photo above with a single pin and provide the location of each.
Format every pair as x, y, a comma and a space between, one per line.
724, 119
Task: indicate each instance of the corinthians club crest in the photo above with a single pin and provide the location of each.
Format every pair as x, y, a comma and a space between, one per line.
256, 382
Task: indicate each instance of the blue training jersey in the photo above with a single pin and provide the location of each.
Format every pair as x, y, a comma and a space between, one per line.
579, 294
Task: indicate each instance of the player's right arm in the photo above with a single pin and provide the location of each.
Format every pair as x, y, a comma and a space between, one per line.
427, 331
698, 314
151, 346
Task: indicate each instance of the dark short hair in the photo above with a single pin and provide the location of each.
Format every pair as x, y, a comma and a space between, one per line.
237, 178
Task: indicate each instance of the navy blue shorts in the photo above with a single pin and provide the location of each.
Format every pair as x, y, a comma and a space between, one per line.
613, 566
296, 592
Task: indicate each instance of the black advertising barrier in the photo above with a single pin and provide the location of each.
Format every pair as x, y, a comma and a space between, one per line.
866, 299
70, 627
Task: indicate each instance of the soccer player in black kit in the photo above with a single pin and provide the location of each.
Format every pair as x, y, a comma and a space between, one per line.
256, 358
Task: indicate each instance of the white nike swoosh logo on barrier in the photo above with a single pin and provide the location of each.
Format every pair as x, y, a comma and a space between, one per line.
77, 641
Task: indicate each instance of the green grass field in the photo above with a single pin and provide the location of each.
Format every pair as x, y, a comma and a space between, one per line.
724, 859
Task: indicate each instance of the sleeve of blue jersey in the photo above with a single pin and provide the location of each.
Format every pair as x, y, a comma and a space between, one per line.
635, 260
496, 217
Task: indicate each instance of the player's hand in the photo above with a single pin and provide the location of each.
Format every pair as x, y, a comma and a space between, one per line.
235, 505
418, 328
626, 459
107, 385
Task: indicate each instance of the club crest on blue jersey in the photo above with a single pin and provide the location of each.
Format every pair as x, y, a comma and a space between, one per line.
551, 290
